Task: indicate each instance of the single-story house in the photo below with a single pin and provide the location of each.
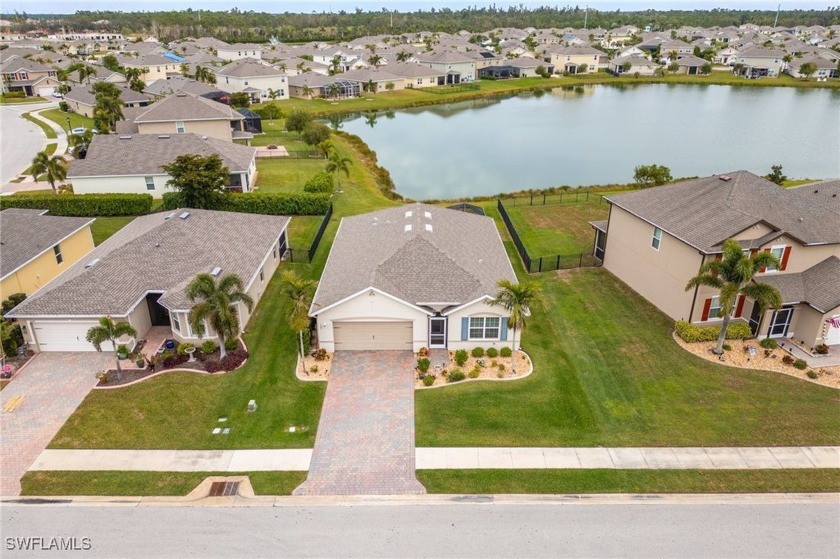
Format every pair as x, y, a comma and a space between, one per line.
823, 68
140, 274
633, 64
82, 100
36, 248
133, 163
312, 86
410, 277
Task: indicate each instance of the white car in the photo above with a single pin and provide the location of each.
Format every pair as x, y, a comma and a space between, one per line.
57, 95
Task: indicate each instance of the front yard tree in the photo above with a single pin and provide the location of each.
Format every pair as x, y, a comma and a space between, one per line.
517, 299
239, 100
300, 292
337, 164
652, 175
316, 133
200, 179
217, 306
776, 175
297, 121
807, 69
54, 168
110, 331
733, 275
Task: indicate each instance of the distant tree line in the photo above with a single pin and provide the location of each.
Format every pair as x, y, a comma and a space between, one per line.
236, 25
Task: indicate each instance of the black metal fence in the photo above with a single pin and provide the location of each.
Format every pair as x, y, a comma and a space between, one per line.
545, 263
558, 198
306, 255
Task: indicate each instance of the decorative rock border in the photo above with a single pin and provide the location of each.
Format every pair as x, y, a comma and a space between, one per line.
488, 379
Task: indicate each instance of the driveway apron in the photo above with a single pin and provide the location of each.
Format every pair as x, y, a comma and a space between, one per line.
365, 441
52, 386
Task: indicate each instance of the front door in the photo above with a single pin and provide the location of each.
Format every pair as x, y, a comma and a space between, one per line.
437, 331
779, 324
755, 319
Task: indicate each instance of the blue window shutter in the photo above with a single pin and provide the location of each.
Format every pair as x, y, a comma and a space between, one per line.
465, 328
504, 328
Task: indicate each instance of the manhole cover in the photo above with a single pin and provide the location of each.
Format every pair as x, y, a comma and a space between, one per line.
224, 488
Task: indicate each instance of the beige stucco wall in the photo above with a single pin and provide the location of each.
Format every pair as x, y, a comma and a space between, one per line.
658, 276
481, 308
232, 84
123, 184
77, 107
139, 318
238, 54
212, 128
561, 60
36, 274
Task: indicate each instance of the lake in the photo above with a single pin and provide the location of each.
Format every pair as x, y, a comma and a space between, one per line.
598, 134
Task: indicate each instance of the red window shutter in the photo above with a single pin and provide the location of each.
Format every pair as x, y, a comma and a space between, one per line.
740, 306
785, 257
706, 306
764, 269
753, 252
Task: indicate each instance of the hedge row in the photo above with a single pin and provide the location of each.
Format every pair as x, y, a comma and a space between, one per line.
268, 204
690, 333
82, 205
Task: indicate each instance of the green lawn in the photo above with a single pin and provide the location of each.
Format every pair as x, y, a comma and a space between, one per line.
274, 132
20, 100
48, 131
104, 227
629, 481
60, 118
302, 230
286, 175
557, 228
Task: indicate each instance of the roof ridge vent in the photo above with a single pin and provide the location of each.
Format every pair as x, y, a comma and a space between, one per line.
407, 227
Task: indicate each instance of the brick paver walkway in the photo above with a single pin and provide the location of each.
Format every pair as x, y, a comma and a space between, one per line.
365, 441
53, 384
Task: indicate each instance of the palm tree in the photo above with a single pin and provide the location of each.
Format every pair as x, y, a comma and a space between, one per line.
733, 276
109, 331
337, 163
53, 167
517, 299
403, 56
333, 90
85, 72
335, 64
217, 306
375, 60
79, 141
300, 292
307, 91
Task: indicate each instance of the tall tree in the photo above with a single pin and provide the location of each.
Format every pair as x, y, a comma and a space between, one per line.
80, 141
110, 331
733, 275
53, 167
300, 292
201, 180
217, 306
652, 175
517, 299
85, 73
337, 164
776, 175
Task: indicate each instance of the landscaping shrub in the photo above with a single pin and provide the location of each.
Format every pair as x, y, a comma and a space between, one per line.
788, 360
232, 344
321, 355
14, 95
478, 352
727, 347
16, 299
461, 357
812, 374
423, 364
768, 343
428, 380
492, 352
183, 347
505, 352
690, 333
474, 373
821, 349
83, 205
208, 347
455, 376
268, 204
320, 182
12, 337
63, 106
233, 359
174, 360
800, 364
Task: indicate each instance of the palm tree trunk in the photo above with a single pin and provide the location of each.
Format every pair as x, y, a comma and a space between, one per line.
513, 353
119, 367
302, 364
719, 349
222, 350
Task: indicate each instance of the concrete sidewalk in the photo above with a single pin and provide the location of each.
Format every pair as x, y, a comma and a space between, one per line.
665, 458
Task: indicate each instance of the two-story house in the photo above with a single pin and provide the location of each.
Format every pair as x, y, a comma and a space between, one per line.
656, 239
82, 100
573, 59
238, 51
28, 76
153, 67
457, 67
761, 62
258, 80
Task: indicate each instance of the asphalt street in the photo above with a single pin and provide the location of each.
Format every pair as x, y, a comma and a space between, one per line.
674, 529
19, 138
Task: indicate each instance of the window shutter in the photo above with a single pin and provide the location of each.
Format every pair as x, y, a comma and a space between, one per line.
503, 331
706, 306
764, 269
740, 306
465, 328
785, 257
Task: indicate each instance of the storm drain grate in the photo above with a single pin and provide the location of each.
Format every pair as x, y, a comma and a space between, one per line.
224, 488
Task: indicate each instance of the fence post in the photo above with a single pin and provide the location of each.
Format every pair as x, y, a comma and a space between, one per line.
540, 268
532, 200
587, 195
580, 261
543, 199
558, 261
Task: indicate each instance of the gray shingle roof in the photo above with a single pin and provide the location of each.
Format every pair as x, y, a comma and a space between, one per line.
826, 193
183, 106
176, 84
705, 212
155, 254
84, 95
24, 234
819, 285
145, 154
458, 261
247, 68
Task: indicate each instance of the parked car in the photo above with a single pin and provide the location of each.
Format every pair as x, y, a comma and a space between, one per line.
78, 131
57, 95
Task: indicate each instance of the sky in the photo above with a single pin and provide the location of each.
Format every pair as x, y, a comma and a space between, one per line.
280, 6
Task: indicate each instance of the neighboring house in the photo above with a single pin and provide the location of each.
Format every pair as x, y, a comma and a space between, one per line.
321, 86
570, 59
656, 239
410, 277
457, 67
238, 51
379, 78
416, 75
183, 114
691, 65
725, 56
140, 274
37, 247
637, 64
102, 75
153, 67
30, 77
760, 62
824, 68
82, 100
254, 78
134, 163
180, 84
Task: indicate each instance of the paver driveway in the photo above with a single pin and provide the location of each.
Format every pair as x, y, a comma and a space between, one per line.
54, 384
365, 441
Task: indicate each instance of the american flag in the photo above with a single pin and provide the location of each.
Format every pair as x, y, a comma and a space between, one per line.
835, 321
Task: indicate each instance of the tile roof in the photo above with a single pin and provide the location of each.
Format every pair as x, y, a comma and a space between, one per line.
818, 286
145, 154
458, 261
153, 253
705, 212
24, 234
183, 106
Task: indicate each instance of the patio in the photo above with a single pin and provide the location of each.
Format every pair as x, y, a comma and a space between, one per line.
154, 339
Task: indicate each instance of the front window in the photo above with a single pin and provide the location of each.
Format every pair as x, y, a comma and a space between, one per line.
150, 183
657, 238
484, 327
179, 127
57, 251
714, 308
176, 323
778, 252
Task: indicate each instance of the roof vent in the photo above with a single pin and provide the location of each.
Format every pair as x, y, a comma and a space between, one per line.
204, 137
407, 227
125, 137
408, 214
163, 137
184, 215
725, 178
180, 95
429, 227
216, 271
170, 216
92, 263
428, 215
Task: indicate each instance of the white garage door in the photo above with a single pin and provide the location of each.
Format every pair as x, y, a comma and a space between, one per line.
832, 335
46, 91
372, 335
65, 336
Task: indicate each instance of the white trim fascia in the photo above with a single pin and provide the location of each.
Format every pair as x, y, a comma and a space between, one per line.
64, 317
366, 290
326, 267
465, 305
226, 119
50, 248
